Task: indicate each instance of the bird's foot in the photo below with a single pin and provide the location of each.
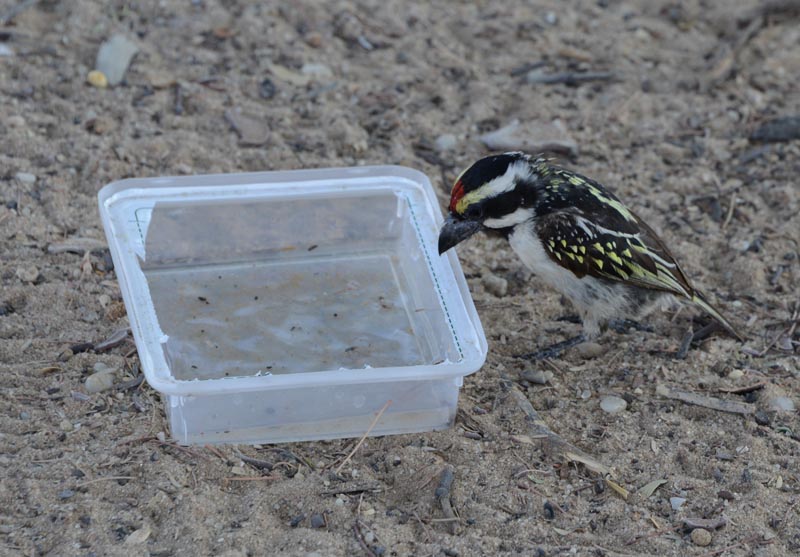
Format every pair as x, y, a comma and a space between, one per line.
623, 326
554, 350
695, 337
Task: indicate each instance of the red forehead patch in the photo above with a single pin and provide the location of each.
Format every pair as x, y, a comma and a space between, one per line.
456, 195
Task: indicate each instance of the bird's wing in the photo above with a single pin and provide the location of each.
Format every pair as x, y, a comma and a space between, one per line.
606, 243
589, 231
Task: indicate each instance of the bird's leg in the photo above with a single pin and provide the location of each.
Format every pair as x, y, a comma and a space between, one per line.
554, 350
622, 326
691, 338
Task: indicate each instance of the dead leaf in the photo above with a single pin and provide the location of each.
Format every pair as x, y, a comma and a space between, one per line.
138, 536
648, 489
624, 493
252, 132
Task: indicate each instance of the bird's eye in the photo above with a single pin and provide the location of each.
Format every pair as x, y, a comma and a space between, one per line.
474, 212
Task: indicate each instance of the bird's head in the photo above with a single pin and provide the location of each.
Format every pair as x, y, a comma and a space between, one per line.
487, 195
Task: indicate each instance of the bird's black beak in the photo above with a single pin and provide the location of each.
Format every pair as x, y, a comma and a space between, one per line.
455, 231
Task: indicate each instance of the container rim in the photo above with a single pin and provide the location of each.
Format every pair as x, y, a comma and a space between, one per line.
167, 384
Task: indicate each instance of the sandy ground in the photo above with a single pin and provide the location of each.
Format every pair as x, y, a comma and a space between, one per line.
86, 474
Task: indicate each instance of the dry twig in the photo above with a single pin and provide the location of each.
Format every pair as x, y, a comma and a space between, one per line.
571, 78
443, 496
789, 331
709, 402
249, 478
556, 443
744, 390
363, 437
361, 541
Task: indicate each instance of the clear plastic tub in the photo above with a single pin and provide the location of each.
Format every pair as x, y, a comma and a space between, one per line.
287, 306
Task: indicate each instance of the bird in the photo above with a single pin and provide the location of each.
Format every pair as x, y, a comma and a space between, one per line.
574, 234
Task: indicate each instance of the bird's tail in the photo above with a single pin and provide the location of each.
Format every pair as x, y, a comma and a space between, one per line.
700, 300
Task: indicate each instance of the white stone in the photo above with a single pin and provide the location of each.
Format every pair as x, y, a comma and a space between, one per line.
25, 177
781, 404
494, 285
613, 404
445, 142
676, 503
28, 274
316, 70
99, 382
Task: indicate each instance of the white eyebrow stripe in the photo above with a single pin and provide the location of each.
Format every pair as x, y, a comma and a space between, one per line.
507, 182
512, 219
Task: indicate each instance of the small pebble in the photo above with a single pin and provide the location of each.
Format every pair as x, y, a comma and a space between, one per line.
369, 537
161, 436
533, 136
494, 285
267, 89
24, 416
161, 79
726, 495
98, 79
538, 376
762, 418
15, 121
676, 503
445, 142
339, 502
28, 274
781, 404
25, 178
66, 425
313, 39
701, 537
88, 315
65, 494
550, 18
589, 350
613, 404
316, 70
317, 521
736, 374
99, 382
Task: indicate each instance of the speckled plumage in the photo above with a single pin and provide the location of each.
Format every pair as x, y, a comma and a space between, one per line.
577, 236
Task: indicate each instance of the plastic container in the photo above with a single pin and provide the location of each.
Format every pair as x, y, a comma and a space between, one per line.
287, 306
